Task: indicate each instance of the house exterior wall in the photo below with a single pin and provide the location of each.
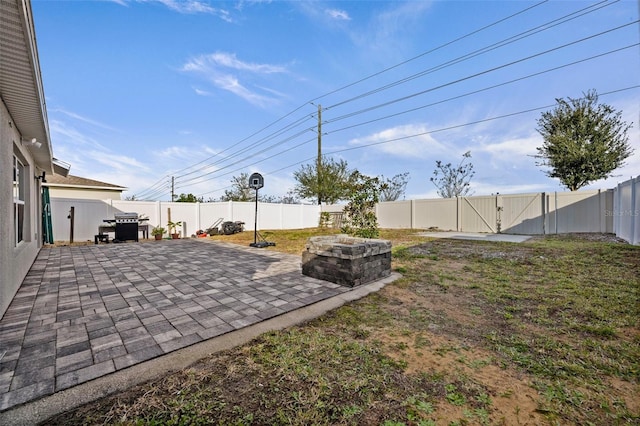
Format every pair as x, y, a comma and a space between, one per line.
15, 261
83, 193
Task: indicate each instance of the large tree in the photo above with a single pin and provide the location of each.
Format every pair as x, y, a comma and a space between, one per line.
583, 141
453, 181
327, 183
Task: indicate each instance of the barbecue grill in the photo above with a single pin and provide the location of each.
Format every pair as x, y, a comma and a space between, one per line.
126, 226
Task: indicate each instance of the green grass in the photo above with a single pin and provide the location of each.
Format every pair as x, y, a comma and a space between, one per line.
561, 312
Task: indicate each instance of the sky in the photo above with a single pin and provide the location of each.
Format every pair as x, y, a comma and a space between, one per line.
143, 93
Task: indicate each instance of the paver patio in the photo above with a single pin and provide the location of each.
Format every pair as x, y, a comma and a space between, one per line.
86, 311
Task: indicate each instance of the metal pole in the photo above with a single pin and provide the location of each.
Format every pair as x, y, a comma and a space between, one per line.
255, 221
319, 160
71, 217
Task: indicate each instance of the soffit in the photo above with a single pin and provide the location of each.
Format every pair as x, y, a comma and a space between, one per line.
20, 78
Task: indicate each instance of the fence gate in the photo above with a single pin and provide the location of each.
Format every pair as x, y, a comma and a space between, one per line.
522, 213
478, 214
512, 214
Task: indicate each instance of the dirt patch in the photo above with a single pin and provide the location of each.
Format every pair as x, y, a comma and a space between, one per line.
464, 249
514, 401
628, 392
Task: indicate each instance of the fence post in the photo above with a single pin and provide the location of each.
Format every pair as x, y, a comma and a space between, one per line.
633, 213
458, 213
555, 211
616, 208
544, 213
198, 225
413, 214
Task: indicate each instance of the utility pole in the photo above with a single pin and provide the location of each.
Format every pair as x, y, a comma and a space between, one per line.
173, 195
319, 161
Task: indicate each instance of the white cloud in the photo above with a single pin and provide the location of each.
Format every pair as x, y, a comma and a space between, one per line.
230, 60
120, 2
175, 153
117, 163
194, 7
224, 70
512, 148
202, 92
339, 15
387, 31
64, 132
410, 141
82, 118
230, 83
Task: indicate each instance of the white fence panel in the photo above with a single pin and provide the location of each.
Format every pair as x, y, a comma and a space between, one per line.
395, 214
212, 213
439, 213
478, 214
89, 215
578, 211
522, 213
626, 210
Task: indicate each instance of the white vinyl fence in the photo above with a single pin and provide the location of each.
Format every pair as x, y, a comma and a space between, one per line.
610, 211
536, 213
89, 215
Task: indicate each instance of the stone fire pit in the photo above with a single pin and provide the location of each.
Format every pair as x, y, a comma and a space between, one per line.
345, 260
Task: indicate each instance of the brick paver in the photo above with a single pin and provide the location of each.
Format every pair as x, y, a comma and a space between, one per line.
87, 311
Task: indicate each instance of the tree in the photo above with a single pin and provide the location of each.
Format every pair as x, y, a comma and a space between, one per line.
289, 198
453, 181
394, 188
328, 186
360, 212
188, 198
240, 189
583, 141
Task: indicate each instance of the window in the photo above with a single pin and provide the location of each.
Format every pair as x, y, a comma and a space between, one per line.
19, 184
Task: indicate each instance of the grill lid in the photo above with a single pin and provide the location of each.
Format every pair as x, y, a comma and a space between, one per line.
126, 217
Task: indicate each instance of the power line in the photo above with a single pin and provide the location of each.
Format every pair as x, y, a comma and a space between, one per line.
478, 74
413, 109
280, 132
425, 106
367, 78
480, 90
442, 129
520, 36
462, 79
435, 49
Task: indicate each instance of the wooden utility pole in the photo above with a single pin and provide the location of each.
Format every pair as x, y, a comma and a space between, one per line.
173, 195
319, 161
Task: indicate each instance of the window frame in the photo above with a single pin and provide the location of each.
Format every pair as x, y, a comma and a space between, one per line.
19, 200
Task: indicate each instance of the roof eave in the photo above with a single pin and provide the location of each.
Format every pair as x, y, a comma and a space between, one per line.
21, 88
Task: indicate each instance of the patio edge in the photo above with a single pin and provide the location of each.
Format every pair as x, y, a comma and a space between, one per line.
42, 409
